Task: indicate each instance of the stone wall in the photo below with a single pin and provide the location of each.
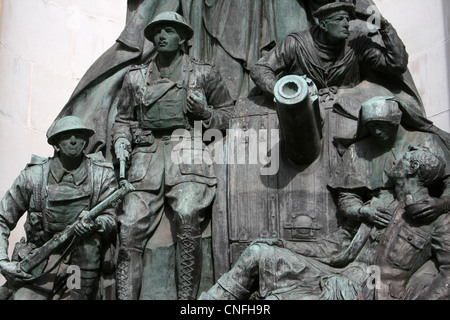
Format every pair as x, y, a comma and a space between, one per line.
46, 46
424, 27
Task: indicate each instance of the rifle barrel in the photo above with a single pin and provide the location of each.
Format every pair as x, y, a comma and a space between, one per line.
43, 252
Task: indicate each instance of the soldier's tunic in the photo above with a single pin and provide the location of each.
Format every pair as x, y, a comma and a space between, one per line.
301, 53
363, 173
153, 104
399, 251
337, 71
54, 198
404, 248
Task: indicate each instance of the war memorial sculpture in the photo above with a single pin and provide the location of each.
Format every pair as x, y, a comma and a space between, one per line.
234, 150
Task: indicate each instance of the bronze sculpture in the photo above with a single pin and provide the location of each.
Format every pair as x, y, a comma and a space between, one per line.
391, 131
307, 217
403, 248
399, 261
94, 99
171, 92
330, 54
55, 192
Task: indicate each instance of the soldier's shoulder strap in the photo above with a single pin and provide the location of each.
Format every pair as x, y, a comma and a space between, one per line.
40, 168
36, 160
99, 160
137, 73
96, 163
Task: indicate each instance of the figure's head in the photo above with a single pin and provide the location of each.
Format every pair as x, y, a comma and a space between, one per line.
420, 163
168, 32
70, 136
334, 19
382, 117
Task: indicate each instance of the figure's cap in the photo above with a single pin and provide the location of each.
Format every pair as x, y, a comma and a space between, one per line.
168, 17
66, 124
335, 6
381, 109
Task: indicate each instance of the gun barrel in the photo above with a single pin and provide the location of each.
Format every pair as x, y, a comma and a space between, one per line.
123, 157
102, 206
122, 169
299, 115
43, 252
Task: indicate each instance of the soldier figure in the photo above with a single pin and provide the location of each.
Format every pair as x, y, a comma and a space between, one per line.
407, 248
171, 92
330, 54
388, 128
403, 251
54, 192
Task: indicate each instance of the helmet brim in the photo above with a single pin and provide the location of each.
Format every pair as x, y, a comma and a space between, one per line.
148, 32
335, 7
53, 140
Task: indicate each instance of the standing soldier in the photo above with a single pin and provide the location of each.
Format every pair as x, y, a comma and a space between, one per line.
55, 192
171, 92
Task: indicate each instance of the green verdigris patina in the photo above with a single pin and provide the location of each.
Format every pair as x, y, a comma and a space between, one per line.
55, 192
300, 234
159, 99
402, 228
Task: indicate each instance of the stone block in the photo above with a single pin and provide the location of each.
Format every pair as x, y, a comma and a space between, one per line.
50, 92
418, 31
15, 85
42, 41
442, 120
91, 38
429, 73
18, 143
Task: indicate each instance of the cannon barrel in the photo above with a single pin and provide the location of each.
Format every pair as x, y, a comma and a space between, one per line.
300, 121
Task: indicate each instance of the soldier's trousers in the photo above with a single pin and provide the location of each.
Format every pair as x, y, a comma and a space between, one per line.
142, 212
84, 262
283, 274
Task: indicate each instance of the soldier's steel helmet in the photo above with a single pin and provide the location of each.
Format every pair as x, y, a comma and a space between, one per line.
335, 6
168, 17
67, 124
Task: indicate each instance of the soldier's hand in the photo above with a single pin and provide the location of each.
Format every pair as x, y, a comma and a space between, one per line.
198, 106
86, 226
12, 271
384, 23
427, 210
119, 150
377, 216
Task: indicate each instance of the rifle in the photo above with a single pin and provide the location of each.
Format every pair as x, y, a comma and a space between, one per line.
123, 155
42, 253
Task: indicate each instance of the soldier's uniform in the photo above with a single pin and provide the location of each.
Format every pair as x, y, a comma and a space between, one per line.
403, 249
54, 199
153, 105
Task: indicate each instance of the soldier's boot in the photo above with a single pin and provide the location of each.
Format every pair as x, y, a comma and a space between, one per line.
128, 274
226, 288
87, 286
188, 262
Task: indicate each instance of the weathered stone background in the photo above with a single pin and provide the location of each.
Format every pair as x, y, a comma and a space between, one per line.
46, 46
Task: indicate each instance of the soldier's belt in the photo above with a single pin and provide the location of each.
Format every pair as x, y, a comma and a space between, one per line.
143, 137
